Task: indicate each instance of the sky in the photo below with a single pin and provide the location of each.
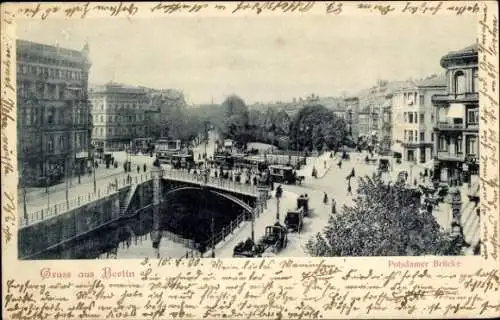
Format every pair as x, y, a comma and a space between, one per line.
259, 58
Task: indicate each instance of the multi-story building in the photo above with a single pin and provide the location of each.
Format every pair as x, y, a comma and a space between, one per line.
457, 118
364, 123
53, 112
413, 119
119, 115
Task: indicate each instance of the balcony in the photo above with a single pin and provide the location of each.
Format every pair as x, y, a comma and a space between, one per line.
452, 97
416, 144
448, 156
448, 126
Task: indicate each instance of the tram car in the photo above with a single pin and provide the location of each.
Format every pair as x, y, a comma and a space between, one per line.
284, 174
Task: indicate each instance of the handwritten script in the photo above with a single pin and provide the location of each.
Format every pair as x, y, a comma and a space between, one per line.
273, 289
130, 9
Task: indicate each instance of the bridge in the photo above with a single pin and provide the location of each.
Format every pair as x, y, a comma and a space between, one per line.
125, 197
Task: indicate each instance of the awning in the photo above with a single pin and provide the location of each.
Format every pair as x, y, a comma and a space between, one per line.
81, 155
456, 110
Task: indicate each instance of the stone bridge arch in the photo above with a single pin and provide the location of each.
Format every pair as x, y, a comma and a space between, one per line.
245, 206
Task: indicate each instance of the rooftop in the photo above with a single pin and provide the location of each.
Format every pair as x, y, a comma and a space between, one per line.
48, 49
467, 53
432, 81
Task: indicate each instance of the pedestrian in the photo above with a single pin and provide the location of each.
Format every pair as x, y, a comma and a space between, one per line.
406, 176
125, 166
138, 169
334, 206
349, 189
352, 173
325, 198
340, 164
144, 167
324, 164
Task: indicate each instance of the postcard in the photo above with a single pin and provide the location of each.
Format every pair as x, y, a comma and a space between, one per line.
250, 160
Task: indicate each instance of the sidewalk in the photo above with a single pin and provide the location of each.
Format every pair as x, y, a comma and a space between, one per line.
319, 164
225, 248
103, 176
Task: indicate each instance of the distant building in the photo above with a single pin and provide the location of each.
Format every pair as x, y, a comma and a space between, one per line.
413, 119
119, 115
457, 117
364, 123
53, 112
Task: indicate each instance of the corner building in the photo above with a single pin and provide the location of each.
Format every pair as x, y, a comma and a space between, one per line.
414, 118
119, 115
457, 118
53, 112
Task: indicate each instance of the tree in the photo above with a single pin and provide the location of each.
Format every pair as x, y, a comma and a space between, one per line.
315, 126
385, 220
235, 121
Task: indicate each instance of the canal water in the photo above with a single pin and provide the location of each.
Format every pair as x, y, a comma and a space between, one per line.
183, 221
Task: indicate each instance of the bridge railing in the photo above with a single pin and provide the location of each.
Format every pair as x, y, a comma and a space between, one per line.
82, 199
211, 181
218, 237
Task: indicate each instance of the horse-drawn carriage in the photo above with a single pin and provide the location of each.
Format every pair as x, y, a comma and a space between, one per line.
294, 220
273, 241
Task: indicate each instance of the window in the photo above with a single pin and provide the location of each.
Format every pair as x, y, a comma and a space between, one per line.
475, 81
458, 144
102, 131
61, 142
50, 116
35, 116
410, 138
421, 99
78, 140
416, 118
102, 119
422, 136
406, 117
442, 144
410, 117
471, 145
432, 137
50, 143
422, 117
459, 82
473, 116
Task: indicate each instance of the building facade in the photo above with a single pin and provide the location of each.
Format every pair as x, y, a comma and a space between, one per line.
53, 112
119, 117
414, 118
457, 118
385, 126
